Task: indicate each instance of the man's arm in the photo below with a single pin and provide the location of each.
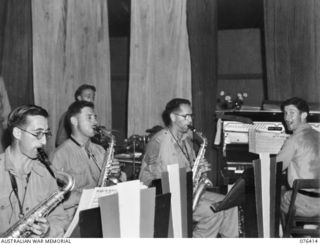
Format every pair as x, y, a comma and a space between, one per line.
58, 219
59, 163
286, 153
150, 167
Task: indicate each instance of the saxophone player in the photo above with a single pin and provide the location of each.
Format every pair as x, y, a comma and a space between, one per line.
24, 181
173, 144
79, 156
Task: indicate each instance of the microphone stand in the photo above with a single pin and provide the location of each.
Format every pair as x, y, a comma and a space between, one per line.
134, 158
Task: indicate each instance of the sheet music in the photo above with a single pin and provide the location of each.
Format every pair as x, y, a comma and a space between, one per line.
217, 139
83, 204
89, 199
265, 142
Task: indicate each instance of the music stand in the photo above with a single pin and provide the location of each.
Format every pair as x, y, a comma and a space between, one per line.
90, 223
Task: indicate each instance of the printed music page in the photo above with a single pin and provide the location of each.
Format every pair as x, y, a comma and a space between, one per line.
265, 142
89, 199
83, 204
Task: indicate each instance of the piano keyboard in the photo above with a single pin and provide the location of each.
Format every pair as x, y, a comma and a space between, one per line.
233, 126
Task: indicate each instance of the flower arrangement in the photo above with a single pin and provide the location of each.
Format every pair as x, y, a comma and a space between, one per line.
227, 101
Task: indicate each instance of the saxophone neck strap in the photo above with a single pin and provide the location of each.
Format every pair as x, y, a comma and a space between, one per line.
74, 141
183, 148
15, 190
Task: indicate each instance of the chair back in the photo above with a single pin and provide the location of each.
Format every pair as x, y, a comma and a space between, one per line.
297, 225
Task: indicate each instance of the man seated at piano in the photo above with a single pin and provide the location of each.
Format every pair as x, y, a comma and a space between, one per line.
300, 155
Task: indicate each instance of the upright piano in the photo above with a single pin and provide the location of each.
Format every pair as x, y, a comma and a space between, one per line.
232, 140
235, 160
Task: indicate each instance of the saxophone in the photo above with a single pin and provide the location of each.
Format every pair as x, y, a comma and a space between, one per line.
21, 228
199, 177
106, 177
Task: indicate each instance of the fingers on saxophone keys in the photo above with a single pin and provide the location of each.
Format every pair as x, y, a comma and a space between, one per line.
40, 227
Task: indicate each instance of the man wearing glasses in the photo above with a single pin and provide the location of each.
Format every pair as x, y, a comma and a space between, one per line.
24, 180
173, 144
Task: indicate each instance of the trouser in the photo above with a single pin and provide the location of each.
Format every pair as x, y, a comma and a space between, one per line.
210, 224
305, 205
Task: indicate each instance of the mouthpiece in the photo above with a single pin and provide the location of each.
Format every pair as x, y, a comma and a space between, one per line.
191, 128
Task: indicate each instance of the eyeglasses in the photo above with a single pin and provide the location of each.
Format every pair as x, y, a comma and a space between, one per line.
38, 134
186, 116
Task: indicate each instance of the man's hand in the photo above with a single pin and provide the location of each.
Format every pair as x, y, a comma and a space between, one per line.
115, 168
40, 227
204, 165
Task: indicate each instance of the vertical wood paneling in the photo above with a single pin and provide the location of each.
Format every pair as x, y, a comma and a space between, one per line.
70, 48
159, 60
203, 36
17, 53
292, 30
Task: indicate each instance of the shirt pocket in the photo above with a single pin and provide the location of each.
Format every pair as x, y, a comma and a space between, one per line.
4, 203
5, 213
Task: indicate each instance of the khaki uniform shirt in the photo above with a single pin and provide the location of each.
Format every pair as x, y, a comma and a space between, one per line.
163, 149
72, 158
39, 187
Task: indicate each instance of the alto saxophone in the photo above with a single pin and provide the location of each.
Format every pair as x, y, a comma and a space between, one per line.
106, 177
199, 177
21, 229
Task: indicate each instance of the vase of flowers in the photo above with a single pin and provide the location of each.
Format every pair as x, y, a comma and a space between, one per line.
226, 101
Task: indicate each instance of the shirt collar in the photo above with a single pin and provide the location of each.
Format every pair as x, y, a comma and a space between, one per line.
185, 136
78, 144
35, 165
302, 127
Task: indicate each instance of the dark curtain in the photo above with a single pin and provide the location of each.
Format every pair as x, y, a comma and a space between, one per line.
16, 40
202, 31
3, 12
292, 31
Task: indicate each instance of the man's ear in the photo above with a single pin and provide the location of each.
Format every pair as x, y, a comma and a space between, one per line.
16, 132
79, 98
172, 117
74, 121
304, 115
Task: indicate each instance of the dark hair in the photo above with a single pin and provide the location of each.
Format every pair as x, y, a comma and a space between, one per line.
83, 87
301, 104
172, 106
74, 109
18, 117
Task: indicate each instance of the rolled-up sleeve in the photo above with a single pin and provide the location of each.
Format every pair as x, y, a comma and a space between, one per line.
151, 165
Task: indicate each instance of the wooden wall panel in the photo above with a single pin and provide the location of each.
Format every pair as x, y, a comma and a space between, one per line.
159, 60
70, 48
292, 30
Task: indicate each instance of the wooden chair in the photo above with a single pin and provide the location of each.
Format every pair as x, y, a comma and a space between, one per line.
293, 224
